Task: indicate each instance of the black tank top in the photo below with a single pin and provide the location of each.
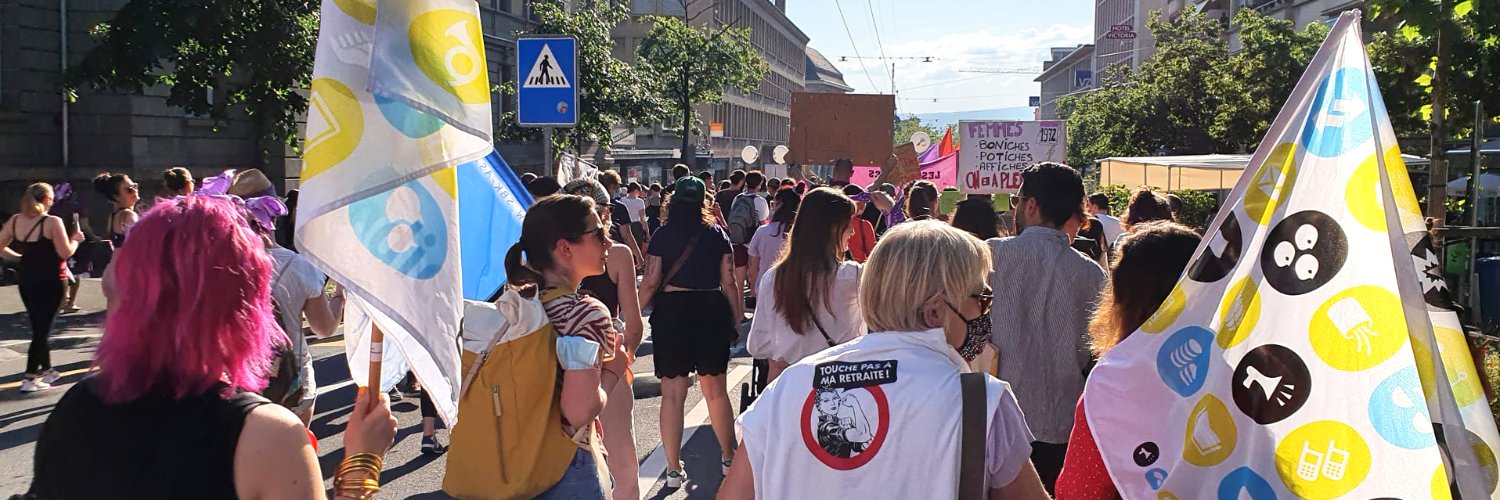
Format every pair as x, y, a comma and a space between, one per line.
151, 448
118, 238
39, 259
604, 289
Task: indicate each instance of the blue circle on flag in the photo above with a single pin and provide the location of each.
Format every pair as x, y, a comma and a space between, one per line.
1245, 483
404, 228
1339, 119
1398, 411
406, 119
1183, 359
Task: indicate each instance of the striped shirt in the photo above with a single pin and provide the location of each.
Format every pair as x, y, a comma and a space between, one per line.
577, 315
1045, 292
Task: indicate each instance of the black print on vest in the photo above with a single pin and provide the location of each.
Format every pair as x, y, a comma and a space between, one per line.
1222, 254
841, 375
843, 428
1303, 252
1270, 384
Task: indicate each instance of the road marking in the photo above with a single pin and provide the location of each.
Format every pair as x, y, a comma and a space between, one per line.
13, 343
65, 374
655, 465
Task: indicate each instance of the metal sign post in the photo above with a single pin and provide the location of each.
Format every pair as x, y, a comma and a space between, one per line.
547, 87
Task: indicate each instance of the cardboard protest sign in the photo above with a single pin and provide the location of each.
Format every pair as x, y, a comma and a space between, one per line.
992, 154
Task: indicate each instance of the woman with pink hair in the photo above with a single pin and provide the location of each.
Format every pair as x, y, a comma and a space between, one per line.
171, 412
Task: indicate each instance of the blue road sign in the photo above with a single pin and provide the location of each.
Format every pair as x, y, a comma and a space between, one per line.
547, 82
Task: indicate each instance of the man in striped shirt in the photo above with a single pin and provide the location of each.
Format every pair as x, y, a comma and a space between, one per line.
1045, 292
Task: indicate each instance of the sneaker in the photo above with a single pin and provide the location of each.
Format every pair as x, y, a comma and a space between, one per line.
395, 395
725, 463
51, 376
34, 385
431, 446
675, 478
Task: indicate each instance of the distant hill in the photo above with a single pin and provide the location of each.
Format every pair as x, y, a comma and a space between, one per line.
950, 118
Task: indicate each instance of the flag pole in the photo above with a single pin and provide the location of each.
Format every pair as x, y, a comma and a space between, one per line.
377, 352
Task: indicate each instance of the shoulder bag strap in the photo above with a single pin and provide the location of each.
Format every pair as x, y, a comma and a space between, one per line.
481, 357
826, 338
677, 266
972, 437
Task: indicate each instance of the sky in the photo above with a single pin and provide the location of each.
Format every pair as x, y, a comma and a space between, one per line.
958, 34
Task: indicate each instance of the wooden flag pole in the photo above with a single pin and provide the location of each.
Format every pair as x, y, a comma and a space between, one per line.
377, 352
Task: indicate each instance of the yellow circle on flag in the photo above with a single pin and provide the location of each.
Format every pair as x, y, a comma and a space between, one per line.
1168, 312
1459, 367
1358, 328
1272, 183
1322, 460
1211, 435
447, 45
1363, 193
1440, 488
1238, 313
335, 126
361, 10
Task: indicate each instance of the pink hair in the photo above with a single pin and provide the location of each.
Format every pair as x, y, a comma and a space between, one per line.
193, 307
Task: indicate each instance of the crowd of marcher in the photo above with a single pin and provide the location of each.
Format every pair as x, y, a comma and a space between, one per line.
910, 351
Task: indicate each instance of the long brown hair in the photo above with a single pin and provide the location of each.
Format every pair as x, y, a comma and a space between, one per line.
1146, 206
1146, 268
805, 270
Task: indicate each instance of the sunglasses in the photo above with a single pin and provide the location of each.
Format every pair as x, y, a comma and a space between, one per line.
132, 187
599, 233
986, 300
1016, 201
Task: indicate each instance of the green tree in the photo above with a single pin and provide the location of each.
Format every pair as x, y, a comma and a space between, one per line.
905, 127
694, 65
254, 56
1257, 80
610, 91
1472, 52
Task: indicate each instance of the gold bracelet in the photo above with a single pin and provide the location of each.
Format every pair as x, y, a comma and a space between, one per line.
364, 491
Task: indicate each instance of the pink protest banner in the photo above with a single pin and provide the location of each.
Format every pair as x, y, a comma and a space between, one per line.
942, 172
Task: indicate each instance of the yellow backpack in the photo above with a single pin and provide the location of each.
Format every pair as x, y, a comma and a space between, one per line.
509, 441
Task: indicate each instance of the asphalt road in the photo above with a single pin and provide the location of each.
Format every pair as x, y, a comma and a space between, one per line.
408, 473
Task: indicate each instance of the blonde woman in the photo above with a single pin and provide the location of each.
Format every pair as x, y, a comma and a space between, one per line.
43, 247
818, 430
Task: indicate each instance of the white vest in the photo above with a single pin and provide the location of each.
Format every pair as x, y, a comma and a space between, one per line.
883, 422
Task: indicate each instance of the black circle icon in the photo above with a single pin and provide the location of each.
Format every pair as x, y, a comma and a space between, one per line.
1303, 252
1430, 272
1146, 454
1270, 384
1222, 254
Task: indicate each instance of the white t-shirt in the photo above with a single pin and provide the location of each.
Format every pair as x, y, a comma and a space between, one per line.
1111, 227
878, 417
294, 280
767, 243
636, 207
771, 337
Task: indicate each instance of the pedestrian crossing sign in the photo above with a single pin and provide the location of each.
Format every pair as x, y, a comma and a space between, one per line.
547, 77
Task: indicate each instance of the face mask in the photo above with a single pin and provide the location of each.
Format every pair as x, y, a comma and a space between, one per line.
977, 333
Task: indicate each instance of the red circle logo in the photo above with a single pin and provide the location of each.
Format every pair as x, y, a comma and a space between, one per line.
844, 428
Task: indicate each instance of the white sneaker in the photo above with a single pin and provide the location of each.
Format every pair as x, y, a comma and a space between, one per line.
725, 464
34, 385
51, 376
675, 478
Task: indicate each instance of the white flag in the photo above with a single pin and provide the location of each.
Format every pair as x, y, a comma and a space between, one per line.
378, 210
1295, 358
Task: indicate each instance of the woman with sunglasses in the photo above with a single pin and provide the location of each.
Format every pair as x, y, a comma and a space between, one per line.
811, 294
821, 429
125, 193
563, 240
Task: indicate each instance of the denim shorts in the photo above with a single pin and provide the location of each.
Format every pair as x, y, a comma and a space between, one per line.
579, 482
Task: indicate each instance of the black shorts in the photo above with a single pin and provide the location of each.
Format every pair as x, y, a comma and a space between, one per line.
691, 332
